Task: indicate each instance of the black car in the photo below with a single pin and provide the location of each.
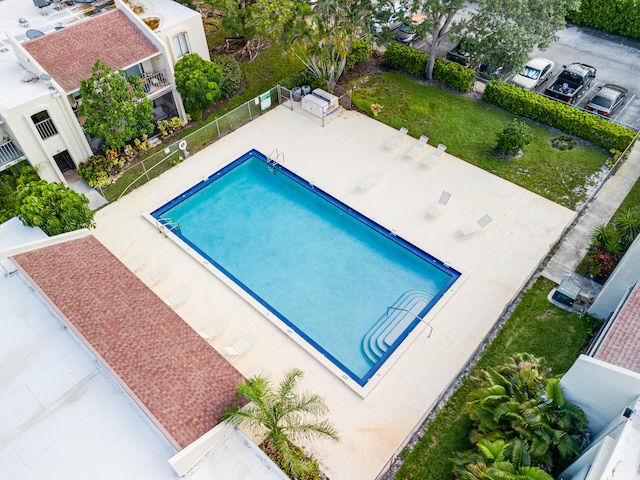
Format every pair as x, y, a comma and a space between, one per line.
458, 55
607, 99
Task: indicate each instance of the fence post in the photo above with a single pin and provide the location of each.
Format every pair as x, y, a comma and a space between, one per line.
249, 107
218, 127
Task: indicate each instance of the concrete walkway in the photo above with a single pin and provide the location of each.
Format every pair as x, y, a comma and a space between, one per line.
575, 245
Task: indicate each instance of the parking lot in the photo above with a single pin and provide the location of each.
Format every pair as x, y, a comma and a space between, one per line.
617, 61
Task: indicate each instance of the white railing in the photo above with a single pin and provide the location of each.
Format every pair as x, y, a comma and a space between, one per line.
152, 82
46, 128
9, 152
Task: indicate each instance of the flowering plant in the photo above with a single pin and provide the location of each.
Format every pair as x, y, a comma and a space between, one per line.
376, 108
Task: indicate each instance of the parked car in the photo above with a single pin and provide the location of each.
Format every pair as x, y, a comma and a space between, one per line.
572, 82
607, 99
406, 34
458, 55
535, 72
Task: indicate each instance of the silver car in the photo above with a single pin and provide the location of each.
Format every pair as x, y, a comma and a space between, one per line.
535, 73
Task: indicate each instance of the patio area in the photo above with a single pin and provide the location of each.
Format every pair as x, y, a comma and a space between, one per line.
495, 263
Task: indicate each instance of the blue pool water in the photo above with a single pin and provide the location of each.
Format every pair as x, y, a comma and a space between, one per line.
322, 268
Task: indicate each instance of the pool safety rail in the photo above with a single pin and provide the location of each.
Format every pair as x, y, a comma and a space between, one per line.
166, 224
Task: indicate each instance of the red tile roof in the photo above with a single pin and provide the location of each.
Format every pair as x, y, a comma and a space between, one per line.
68, 55
621, 346
182, 383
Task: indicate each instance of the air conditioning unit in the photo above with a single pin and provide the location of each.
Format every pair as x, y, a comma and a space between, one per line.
320, 103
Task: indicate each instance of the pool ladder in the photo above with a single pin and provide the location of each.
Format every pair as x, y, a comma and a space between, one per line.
165, 224
274, 157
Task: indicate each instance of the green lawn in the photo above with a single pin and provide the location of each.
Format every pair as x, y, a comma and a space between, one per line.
536, 327
469, 129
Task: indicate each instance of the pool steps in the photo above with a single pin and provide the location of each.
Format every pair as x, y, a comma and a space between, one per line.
393, 323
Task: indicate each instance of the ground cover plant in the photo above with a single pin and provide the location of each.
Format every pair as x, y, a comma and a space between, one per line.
536, 327
469, 127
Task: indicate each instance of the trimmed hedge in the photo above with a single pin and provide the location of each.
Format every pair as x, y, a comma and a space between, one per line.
621, 17
414, 62
360, 51
566, 118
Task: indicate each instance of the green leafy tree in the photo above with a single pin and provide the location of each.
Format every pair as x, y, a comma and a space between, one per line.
282, 416
10, 180
519, 400
117, 109
515, 136
504, 32
198, 81
54, 208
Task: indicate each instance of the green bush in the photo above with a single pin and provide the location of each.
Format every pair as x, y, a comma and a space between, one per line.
621, 17
231, 75
558, 115
302, 78
515, 136
414, 62
360, 51
10, 180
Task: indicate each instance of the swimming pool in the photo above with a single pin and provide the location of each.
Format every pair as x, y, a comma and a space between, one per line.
350, 288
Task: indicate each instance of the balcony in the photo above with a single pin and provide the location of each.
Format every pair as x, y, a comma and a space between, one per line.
9, 152
153, 82
46, 128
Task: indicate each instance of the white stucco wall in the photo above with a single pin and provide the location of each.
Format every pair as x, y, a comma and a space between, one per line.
602, 390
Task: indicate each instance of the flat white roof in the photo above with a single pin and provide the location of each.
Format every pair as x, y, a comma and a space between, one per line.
63, 416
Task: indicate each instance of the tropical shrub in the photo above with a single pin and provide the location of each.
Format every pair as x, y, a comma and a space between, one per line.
521, 406
98, 170
10, 180
620, 17
414, 62
281, 416
54, 208
515, 136
558, 115
360, 51
610, 242
198, 82
168, 127
231, 75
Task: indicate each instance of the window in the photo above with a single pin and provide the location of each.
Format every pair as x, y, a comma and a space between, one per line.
45, 126
181, 45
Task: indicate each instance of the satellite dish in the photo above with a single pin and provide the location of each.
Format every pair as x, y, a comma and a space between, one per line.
182, 145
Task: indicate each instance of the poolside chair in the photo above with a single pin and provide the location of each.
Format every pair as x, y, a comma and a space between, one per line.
178, 296
218, 326
418, 148
440, 206
241, 346
371, 181
434, 156
158, 273
397, 139
475, 227
138, 262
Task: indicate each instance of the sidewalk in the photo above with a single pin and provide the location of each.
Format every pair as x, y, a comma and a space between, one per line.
575, 245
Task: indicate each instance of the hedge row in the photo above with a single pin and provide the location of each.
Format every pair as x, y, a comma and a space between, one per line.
621, 17
558, 115
415, 62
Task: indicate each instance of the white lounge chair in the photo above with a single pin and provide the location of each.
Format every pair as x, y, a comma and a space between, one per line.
158, 273
397, 139
241, 346
371, 181
475, 227
218, 326
178, 296
138, 262
434, 156
418, 148
440, 206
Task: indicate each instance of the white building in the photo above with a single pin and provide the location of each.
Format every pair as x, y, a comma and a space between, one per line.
46, 51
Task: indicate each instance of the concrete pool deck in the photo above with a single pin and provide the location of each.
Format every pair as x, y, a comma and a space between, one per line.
494, 263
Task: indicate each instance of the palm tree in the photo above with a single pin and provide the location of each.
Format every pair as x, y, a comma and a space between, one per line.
281, 417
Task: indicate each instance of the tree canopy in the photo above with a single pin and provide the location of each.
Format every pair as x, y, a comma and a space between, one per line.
197, 81
54, 208
117, 109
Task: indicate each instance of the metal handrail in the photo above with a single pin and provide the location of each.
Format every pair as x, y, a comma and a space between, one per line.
414, 316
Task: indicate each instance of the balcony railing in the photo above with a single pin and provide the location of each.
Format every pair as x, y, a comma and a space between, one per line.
9, 152
153, 82
46, 128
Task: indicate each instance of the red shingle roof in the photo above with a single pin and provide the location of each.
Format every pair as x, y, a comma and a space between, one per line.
621, 346
68, 55
176, 376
